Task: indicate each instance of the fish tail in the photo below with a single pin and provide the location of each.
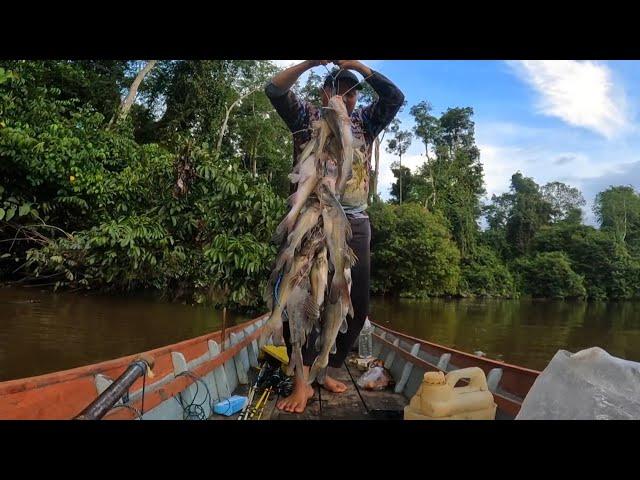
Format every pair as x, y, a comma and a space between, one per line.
345, 325
350, 257
298, 362
273, 324
318, 364
339, 288
282, 231
294, 177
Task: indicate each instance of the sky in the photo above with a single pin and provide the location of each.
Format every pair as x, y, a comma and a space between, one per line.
553, 120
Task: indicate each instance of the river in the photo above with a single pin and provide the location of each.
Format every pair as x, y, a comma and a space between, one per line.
41, 332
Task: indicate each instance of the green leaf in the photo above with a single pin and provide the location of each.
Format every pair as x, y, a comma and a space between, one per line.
24, 209
1, 213
10, 213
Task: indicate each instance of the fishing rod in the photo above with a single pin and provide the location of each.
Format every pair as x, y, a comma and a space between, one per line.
252, 391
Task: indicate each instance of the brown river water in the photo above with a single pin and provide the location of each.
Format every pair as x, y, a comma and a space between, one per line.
43, 332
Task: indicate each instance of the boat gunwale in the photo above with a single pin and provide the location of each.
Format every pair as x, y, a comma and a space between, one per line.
159, 391
156, 394
508, 405
484, 360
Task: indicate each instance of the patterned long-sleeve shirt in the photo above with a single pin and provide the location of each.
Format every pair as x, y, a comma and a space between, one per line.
367, 122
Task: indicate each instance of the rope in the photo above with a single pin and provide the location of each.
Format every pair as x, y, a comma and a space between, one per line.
195, 411
275, 296
141, 364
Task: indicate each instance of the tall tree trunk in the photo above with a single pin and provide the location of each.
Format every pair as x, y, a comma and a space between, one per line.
374, 184
624, 228
400, 179
228, 111
126, 104
254, 164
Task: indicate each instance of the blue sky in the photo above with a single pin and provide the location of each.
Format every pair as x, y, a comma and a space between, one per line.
571, 121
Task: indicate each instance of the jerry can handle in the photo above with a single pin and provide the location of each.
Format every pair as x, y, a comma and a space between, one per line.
476, 377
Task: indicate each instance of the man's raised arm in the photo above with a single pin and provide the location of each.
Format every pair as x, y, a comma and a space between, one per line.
286, 103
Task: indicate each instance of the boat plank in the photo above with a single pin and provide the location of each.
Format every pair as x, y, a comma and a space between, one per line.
377, 400
342, 406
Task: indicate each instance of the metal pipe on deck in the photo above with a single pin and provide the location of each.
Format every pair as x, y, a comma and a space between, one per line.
121, 385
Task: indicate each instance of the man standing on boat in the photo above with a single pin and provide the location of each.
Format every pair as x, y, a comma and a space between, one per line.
367, 123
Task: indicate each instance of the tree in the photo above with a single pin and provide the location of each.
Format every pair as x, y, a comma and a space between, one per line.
550, 275
618, 211
427, 128
409, 183
412, 253
604, 262
529, 212
133, 92
311, 89
457, 131
484, 274
451, 179
565, 201
398, 145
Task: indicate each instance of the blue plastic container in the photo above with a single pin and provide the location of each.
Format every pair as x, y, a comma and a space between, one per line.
230, 406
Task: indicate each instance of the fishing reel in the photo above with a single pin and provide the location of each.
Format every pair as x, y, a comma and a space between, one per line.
278, 381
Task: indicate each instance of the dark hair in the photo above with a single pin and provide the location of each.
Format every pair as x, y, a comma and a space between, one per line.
337, 76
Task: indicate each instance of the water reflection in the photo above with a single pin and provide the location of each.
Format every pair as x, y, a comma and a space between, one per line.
42, 332
523, 332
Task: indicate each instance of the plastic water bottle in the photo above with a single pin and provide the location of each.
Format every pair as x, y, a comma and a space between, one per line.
231, 405
365, 341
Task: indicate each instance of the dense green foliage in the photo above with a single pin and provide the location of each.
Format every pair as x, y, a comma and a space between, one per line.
549, 275
412, 251
106, 211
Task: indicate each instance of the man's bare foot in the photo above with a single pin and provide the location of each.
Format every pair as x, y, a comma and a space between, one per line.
297, 401
333, 385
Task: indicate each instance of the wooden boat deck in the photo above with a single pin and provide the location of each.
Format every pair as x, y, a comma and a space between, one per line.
353, 404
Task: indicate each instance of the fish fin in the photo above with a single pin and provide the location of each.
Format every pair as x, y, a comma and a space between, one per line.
278, 338
311, 308
339, 288
350, 311
273, 324
318, 365
289, 263
279, 234
289, 371
294, 177
350, 257
282, 231
346, 298
345, 326
348, 231
338, 283
299, 363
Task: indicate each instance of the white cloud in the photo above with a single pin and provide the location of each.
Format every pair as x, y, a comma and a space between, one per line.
581, 93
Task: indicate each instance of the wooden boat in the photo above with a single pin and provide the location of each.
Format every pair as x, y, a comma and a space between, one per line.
204, 370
